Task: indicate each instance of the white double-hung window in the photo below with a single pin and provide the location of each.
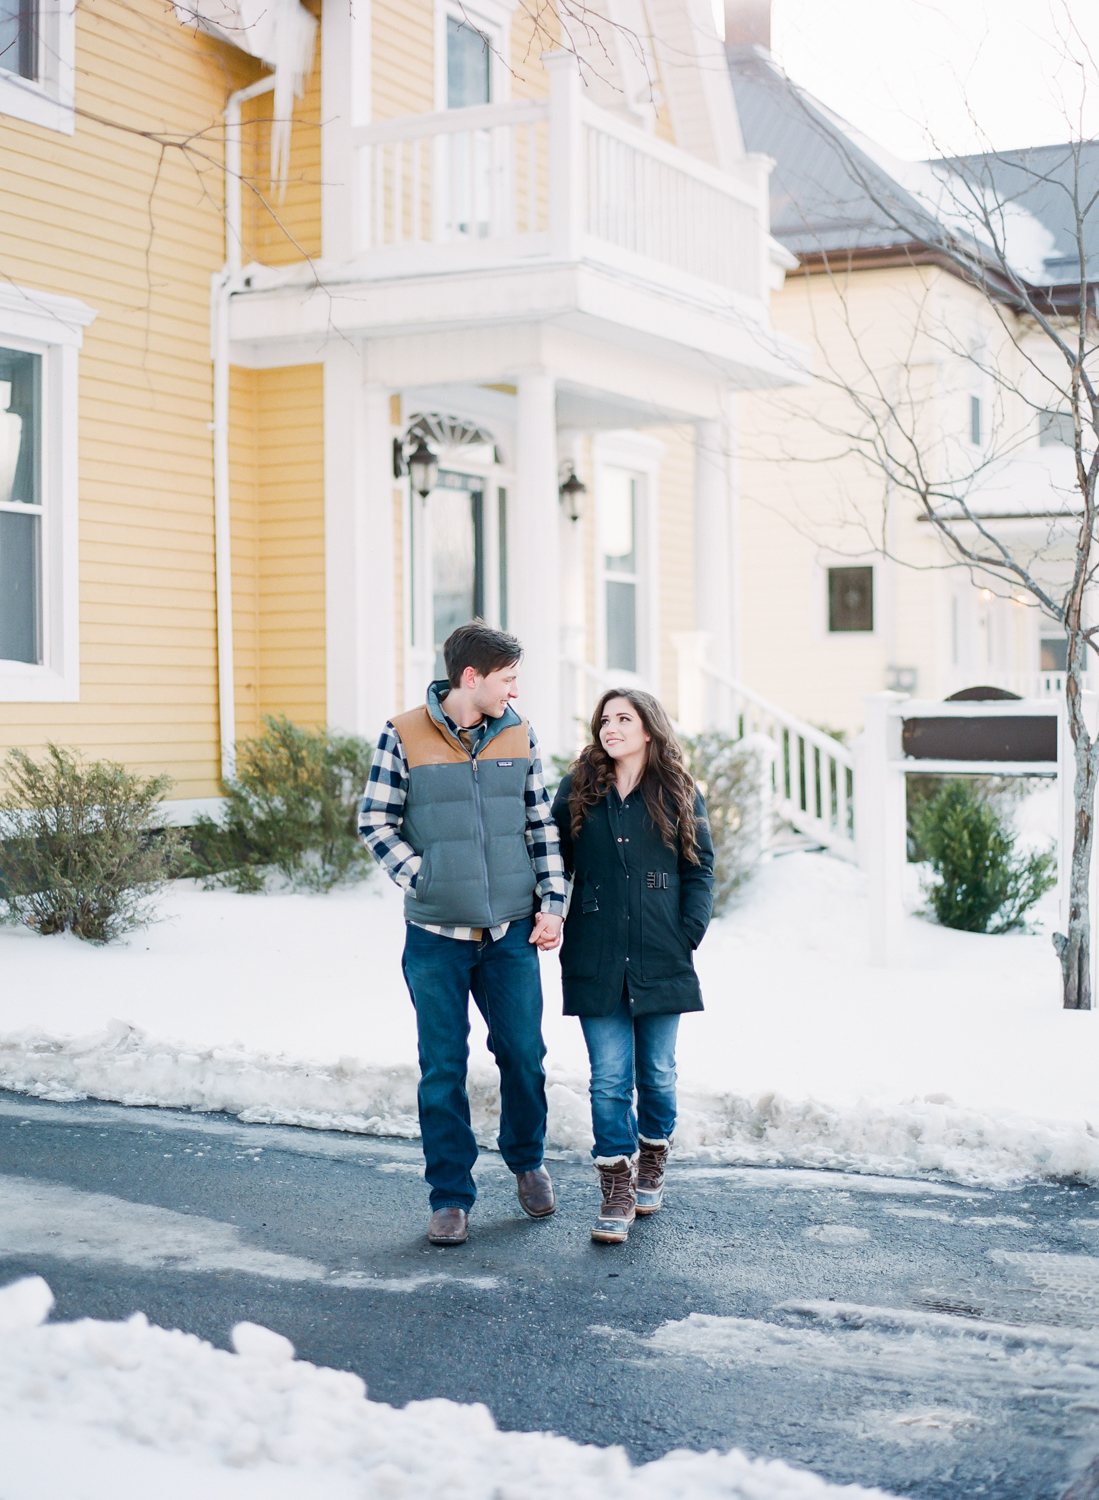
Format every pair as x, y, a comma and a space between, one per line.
20, 506
37, 47
626, 467
40, 337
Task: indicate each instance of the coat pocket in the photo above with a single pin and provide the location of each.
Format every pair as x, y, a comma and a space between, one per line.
582, 950
665, 945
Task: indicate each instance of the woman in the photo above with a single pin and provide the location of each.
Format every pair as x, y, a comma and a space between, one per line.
637, 845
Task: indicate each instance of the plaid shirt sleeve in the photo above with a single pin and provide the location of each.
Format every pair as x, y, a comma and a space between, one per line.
382, 811
542, 839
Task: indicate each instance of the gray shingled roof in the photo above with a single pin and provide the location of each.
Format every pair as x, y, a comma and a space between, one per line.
829, 192
1048, 181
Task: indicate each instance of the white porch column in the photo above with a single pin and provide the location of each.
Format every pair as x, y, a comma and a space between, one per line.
714, 594
574, 644
534, 572
360, 567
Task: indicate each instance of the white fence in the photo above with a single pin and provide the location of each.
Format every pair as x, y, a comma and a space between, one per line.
1049, 684
556, 178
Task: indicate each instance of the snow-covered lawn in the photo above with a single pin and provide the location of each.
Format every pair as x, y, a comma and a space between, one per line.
292, 1009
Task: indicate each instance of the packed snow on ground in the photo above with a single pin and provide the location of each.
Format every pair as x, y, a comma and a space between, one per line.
118, 1411
292, 1009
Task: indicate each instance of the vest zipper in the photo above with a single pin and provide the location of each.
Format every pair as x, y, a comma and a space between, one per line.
481, 837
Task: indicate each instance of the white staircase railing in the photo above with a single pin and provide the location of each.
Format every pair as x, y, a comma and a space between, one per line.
813, 774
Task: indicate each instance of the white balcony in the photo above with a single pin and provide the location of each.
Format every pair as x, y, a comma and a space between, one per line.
556, 179
546, 221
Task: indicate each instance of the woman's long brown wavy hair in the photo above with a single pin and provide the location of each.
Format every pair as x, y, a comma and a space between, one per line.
666, 784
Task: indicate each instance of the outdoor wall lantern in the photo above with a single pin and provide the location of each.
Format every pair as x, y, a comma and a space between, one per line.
571, 491
423, 468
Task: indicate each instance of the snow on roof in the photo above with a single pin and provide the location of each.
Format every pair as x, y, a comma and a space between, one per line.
833, 188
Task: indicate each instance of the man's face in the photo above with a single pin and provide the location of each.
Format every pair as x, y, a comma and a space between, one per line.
492, 693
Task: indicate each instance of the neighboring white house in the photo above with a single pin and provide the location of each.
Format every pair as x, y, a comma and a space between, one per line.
841, 595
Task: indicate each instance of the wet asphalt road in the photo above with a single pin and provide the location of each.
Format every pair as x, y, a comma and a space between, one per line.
931, 1340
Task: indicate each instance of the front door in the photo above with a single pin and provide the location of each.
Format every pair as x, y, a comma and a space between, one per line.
456, 525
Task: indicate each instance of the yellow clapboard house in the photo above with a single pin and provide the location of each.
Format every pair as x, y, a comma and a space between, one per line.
257, 257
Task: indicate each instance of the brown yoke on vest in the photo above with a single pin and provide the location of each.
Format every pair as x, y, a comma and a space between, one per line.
467, 818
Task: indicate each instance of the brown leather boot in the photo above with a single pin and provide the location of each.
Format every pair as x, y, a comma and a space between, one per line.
449, 1226
652, 1162
536, 1193
617, 1178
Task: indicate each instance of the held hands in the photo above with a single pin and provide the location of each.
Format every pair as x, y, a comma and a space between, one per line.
547, 931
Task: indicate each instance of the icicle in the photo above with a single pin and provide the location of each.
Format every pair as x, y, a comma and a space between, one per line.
290, 53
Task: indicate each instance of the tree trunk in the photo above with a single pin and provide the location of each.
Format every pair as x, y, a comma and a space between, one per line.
1074, 948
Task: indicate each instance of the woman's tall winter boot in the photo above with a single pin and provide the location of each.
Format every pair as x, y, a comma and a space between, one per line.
652, 1163
618, 1180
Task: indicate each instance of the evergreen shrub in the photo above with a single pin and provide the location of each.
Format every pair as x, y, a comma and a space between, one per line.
727, 773
982, 884
79, 849
293, 806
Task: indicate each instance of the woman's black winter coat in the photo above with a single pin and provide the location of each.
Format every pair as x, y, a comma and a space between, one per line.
638, 909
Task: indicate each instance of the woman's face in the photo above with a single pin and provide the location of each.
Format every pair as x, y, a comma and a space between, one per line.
621, 730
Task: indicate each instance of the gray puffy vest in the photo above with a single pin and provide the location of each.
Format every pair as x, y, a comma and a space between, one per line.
467, 817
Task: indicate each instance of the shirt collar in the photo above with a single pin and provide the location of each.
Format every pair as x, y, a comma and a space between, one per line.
435, 695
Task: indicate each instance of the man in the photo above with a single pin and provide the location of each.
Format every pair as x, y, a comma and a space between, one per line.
456, 812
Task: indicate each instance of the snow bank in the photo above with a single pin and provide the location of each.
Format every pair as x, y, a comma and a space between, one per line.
292, 1009
227, 1418
921, 1138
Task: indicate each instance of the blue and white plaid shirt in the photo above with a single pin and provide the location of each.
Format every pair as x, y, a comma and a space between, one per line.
382, 815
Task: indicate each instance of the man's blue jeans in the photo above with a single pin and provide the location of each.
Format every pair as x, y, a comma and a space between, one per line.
504, 980
629, 1052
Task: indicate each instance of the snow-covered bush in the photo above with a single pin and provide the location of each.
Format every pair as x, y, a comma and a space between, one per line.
982, 885
79, 849
727, 771
292, 807
1002, 793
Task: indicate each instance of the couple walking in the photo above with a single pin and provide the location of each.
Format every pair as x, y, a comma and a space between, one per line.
457, 814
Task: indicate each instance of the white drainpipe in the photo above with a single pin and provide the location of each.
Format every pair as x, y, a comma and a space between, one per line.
222, 286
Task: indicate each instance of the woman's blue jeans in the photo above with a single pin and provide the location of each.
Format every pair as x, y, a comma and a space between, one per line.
627, 1053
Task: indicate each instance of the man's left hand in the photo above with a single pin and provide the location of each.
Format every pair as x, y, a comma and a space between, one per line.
547, 931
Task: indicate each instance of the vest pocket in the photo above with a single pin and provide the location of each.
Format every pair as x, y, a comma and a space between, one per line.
422, 887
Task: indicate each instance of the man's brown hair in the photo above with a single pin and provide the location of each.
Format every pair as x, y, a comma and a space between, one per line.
479, 646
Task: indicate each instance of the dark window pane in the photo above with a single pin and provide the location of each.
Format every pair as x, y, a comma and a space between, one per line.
850, 598
19, 609
467, 65
20, 378
19, 37
456, 510
1055, 654
1055, 429
622, 626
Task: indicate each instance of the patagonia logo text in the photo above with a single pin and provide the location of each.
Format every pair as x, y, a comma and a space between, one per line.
505, 762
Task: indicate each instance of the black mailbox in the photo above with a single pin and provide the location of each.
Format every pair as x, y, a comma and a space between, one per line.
1015, 737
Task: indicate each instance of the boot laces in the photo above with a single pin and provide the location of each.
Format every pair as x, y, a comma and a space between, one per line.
651, 1164
617, 1185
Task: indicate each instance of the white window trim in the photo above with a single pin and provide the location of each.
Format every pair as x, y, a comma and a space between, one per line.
48, 99
41, 323
640, 454
417, 580
493, 17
